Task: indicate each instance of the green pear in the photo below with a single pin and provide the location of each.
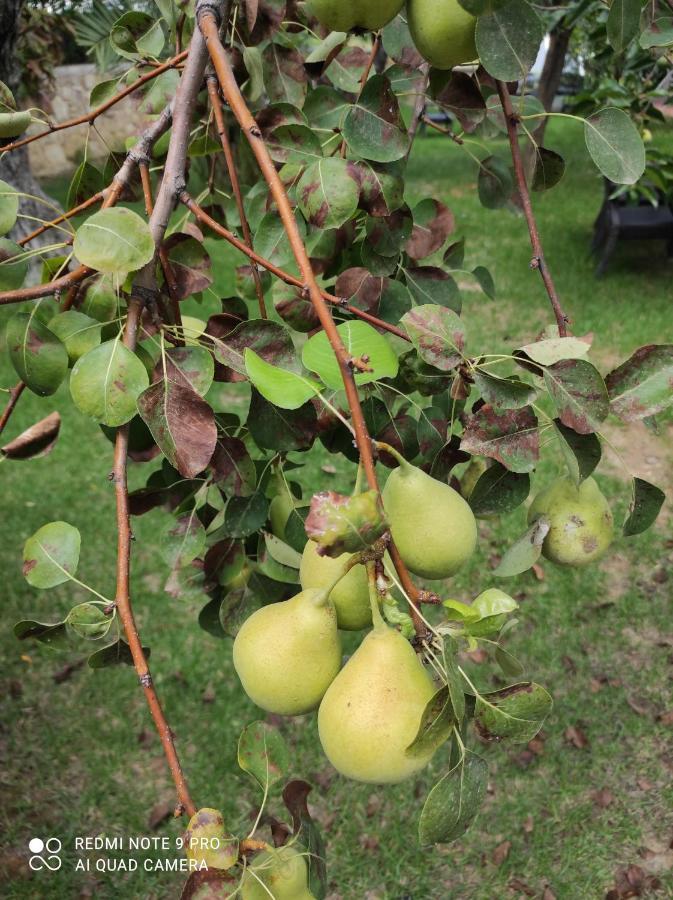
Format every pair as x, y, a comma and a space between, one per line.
207, 841
432, 525
442, 31
581, 527
14, 123
280, 507
281, 874
344, 15
372, 710
287, 654
350, 596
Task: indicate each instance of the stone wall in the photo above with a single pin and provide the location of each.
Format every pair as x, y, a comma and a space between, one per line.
60, 153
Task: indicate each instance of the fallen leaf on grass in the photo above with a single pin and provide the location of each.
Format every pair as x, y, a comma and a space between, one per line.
575, 736
632, 881
159, 813
501, 852
602, 798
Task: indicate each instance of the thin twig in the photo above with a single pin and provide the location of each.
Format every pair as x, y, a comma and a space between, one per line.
363, 81
14, 396
99, 110
75, 211
538, 262
203, 217
209, 27
216, 104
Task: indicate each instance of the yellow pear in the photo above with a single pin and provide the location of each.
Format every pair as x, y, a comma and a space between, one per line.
281, 874
343, 15
581, 527
432, 525
372, 710
442, 31
350, 596
207, 841
287, 654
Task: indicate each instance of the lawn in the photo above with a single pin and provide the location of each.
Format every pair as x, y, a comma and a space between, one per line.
564, 816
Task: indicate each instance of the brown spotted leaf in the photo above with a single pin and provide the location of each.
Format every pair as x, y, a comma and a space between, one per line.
643, 385
433, 223
373, 127
579, 394
437, 333
285, 78
189, 265
512, 437
328, 193
38, 440
233, 469
182, 424
268, 339
341, 524
361, 288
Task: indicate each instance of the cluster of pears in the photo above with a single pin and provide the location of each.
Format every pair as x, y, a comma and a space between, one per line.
288, 655
579, 518
443, 32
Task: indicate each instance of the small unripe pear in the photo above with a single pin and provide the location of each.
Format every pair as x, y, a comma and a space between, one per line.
432, 525
581, 527
287, 654
14, 123
281, 874
443, 32
207, 841
372, 710
343, 15
279, 512
350, 596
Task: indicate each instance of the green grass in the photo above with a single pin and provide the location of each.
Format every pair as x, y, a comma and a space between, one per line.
81, 757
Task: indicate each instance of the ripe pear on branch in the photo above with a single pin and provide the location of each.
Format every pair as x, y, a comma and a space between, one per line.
372, 710
345, 15
433, 527
350, 596
280, 873
287, 654
443, 32
580, 520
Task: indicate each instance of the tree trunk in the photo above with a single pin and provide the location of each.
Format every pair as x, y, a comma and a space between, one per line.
550, 79
15, 166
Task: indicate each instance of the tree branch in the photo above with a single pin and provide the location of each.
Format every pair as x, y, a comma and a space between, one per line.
216, 104
202, 216
538, 261
14, 396
209, 26
99, 110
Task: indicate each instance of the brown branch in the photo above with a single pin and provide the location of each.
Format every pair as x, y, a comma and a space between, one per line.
76, 210
209, 27
14, 396
440, 128
215, 102
122, 597
99, 110
202, 216
538, 262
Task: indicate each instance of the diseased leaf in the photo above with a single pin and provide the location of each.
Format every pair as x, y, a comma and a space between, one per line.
51, 555
504, 393
615, 145
270, 341
525, 552
512, 438
579, 394
433, 223
453, 803
114, 240
233, 469
437, 723
182, 424
38, 440
582, 452
191, 367
328, 193
438, 334
508, 40
345, 524
182, 540
263, 753
553, 350
499, 491
373, 126
643, 385
38, 356
106, 383
273, 428
245, 515
295, 795
515, 713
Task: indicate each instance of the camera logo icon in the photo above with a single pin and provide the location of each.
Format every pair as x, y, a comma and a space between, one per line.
45, 854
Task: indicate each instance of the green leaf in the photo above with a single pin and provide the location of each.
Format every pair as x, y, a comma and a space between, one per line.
137, 34
280, 387
263, 753
328, 193
582, 452
485, 281
623, 22
360, 339
615, 145
182, 540
52, 634
115, 241
116, 654
106, 383
659, 33
13, 265
282, 552
492, 607
9, 207
453, 803
642, 386
482, 7
646, 503
373, 127
553, 350
88, 621
494, 182
504, 393
549, 169
273, 428
515, 713
79, 333
436, 725
499, 491
509, 664
525, 552
99, 300
245, 515
38, 356
508, 40
51, 555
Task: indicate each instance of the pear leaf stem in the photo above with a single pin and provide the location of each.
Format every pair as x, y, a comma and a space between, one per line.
377, 618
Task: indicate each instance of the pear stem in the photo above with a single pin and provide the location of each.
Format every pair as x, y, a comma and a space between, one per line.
377, 618
358, 479
381, 445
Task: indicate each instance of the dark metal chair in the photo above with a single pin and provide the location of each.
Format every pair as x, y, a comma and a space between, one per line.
623, 219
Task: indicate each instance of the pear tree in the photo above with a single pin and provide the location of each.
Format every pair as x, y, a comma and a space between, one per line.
282, 131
